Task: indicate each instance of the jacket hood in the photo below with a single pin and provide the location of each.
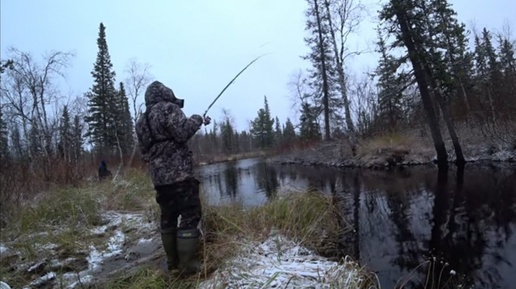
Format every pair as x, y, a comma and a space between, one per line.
157, 92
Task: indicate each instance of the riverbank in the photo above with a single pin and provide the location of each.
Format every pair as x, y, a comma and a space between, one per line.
395, 150
106, 235
209, 160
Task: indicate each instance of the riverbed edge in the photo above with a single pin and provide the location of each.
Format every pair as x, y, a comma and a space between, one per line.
389, 159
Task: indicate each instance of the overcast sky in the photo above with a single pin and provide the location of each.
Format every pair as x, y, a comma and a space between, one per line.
197, 46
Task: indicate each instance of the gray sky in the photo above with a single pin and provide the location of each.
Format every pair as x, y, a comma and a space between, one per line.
196, 47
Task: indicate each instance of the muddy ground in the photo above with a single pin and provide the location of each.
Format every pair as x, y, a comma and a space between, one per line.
125, 242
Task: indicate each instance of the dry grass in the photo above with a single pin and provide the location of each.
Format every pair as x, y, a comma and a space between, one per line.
63, 217
310, 218
390, 142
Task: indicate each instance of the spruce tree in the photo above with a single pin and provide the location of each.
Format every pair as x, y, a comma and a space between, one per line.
427, 29
507, 57
322, 74
262, 127
289, 132
488, 70
227, 135
278, 134
77, 138
390, 96
124, 122
508, 65
309, 129
102, 99
65, 135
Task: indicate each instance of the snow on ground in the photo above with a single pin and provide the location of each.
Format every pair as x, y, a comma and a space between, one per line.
275, 262
41, 280
115, 246
281, 263
115, 225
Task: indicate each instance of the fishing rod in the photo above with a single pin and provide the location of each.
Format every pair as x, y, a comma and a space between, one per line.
232, 80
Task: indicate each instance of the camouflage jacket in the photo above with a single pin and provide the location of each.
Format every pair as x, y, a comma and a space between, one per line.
163, 131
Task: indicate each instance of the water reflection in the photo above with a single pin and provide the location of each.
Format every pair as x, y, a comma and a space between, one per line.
402, 218
266, 179
231, 179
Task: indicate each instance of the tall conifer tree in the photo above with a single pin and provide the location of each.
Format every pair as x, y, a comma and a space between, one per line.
102, 99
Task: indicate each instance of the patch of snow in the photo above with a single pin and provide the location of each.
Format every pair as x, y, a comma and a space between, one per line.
116, 242
280, 262
99, 230
37, 266
503, 155
75, 280
114, 225
144, 240
94, 258
41, 280
46, 247
114, 247
116, 219
3, 249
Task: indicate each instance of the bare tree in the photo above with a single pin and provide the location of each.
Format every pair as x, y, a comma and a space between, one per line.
298, 87
138, 77
31, 92
344, 17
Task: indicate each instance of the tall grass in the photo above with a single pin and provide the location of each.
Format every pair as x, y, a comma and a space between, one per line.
310, 218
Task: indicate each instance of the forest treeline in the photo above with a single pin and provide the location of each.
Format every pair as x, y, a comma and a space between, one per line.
433, 74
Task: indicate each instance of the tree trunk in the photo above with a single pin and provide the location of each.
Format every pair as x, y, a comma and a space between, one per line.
466, 101
340, 71
460, 161
419, 73
325, 87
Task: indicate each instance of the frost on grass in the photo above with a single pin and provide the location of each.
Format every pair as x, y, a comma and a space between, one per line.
281, 263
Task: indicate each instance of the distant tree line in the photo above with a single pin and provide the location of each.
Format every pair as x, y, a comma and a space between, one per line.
264, 134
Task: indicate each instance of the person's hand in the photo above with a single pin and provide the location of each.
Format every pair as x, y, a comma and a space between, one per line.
207, 120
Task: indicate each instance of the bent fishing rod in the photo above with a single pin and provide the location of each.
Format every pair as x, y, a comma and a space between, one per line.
232, 80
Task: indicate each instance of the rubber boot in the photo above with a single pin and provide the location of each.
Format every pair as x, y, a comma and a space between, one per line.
187, 246
169, 241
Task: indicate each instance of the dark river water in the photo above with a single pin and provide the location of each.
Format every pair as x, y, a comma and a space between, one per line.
403, 218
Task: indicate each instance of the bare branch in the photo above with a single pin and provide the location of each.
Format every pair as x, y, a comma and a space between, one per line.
138, 77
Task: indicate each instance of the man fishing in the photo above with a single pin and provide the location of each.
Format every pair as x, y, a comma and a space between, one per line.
163, 131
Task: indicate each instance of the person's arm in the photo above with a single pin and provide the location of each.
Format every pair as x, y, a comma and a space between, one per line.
180, 127
142, 143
